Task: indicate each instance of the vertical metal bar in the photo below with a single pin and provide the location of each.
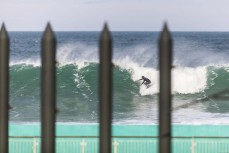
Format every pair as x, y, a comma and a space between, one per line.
165, 61
48, 91
34, 145
4, 90
105, 91
115, 146
83, 143
193, 146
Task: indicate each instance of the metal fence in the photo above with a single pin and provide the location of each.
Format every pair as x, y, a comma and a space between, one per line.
49, 143
122, 145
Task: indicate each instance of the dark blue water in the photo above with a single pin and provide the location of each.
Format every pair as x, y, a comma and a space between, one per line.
201, 69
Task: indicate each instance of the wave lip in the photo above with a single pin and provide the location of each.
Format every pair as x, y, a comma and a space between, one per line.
185, 80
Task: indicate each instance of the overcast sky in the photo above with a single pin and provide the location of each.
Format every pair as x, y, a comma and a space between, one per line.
121, 15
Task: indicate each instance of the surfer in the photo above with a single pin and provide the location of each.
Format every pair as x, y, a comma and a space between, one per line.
146, 81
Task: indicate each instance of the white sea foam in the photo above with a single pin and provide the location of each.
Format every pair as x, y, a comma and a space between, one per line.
29, 61
184, 79
76, 53
197, 117
189, 80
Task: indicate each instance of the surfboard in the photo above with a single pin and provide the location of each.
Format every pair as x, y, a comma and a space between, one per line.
139, 83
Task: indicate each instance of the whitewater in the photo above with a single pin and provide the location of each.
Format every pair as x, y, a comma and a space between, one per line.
201, 69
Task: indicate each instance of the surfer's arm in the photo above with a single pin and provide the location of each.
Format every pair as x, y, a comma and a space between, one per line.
143, 82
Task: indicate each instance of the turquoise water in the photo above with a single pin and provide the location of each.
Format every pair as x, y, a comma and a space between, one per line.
122, 130
84, 138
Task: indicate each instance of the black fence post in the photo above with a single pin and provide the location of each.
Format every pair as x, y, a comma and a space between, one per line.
48, 91
4, 90
165, 65
105, 91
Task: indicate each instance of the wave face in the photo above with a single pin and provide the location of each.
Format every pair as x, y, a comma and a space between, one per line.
200, 70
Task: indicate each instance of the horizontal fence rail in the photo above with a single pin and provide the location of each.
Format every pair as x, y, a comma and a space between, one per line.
126, 144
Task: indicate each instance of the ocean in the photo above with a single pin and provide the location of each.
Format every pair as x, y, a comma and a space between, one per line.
201, 69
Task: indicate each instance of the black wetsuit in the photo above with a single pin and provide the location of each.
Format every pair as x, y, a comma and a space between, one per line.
146, 81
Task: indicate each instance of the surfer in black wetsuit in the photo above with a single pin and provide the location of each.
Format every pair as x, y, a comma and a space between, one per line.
146, 81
